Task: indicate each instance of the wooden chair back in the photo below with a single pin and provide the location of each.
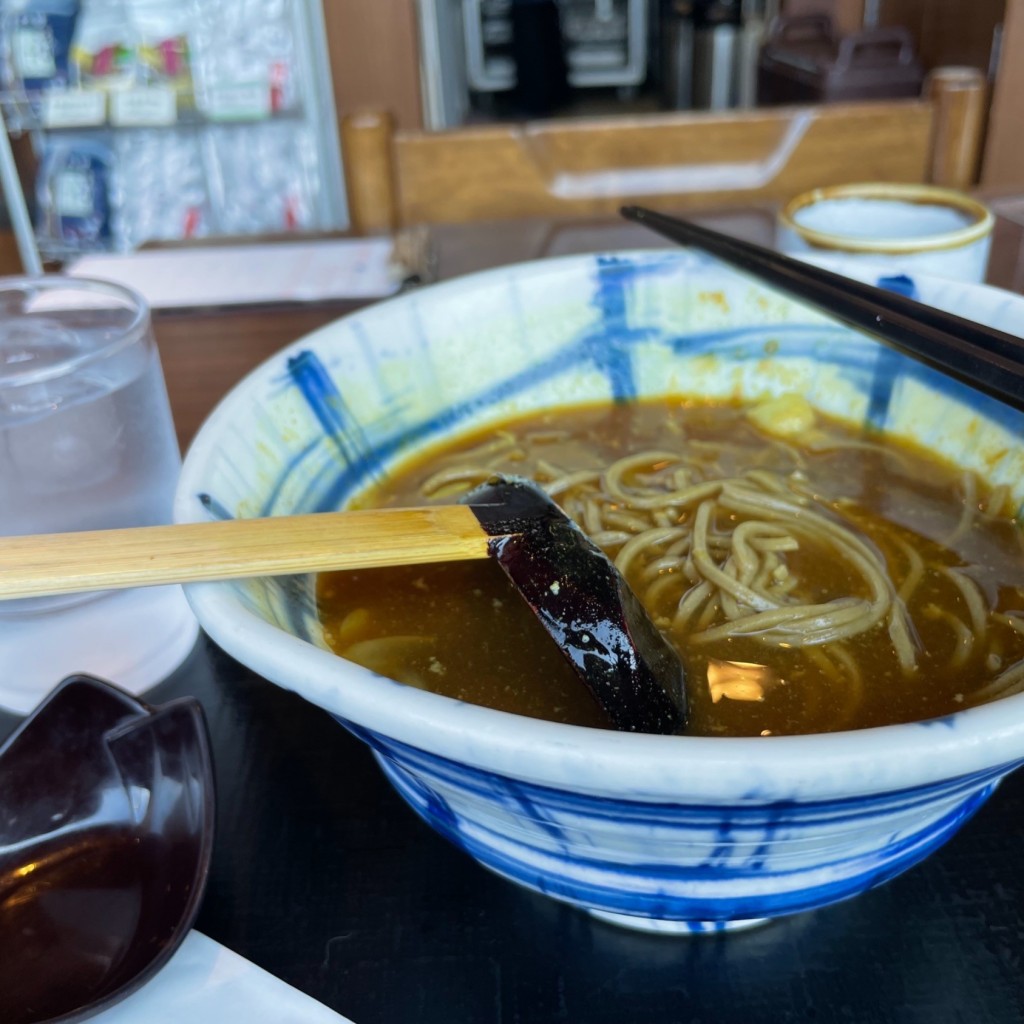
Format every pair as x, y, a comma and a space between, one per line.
587, 168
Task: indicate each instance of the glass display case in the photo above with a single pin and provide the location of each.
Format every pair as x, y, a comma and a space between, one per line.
156, 120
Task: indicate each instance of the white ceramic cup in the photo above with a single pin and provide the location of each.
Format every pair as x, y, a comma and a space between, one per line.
896, 227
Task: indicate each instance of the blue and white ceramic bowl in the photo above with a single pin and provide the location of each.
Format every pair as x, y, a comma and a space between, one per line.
665, 833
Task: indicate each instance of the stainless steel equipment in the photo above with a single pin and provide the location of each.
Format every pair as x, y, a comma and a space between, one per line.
605, 43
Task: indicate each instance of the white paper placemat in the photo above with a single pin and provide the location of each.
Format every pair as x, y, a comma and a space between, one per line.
205, 983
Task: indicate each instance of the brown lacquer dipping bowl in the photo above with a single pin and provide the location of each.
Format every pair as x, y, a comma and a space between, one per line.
106, 830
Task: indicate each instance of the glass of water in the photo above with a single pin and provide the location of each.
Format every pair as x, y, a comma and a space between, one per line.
87, 442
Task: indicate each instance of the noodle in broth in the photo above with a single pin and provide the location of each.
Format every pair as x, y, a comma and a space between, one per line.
812, 578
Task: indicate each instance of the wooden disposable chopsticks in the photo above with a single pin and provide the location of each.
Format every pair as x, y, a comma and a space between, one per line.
62, 563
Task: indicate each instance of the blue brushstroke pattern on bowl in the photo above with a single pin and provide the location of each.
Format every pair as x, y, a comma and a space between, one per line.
665, 833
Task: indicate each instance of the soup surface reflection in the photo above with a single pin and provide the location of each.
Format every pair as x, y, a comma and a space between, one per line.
812, 578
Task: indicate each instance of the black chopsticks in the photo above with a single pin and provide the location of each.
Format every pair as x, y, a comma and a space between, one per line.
989, 360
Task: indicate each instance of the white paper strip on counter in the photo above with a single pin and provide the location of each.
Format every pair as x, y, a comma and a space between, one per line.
205, 983
231, 275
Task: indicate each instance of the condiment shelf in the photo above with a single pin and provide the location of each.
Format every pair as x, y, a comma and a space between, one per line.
143, 107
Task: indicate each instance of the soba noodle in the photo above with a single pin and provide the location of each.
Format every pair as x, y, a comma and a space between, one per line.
764, 567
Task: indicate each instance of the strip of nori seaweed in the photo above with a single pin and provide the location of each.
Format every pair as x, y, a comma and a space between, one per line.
584, 604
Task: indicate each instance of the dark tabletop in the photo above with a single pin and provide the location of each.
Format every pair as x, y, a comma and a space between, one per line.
324, 877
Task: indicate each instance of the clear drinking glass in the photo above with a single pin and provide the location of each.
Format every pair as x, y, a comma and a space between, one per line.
87, 442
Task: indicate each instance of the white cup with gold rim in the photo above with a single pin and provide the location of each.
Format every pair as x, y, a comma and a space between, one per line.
894, 226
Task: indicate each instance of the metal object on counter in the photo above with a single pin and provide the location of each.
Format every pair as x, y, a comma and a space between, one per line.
17, 208
711, 52
677, 55
715, 35
605, 43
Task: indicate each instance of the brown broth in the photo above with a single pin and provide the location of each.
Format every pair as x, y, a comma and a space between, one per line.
461, 630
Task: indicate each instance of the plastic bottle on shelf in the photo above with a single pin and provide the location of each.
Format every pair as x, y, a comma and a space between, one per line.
162, 31
263, 177
104, 51
35, 44
73, 194
159, 189
244, 58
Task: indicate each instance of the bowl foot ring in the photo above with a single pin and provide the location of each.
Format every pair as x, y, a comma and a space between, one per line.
660, 926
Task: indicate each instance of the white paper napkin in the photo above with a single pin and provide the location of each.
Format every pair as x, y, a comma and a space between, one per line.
228, 275
205, 983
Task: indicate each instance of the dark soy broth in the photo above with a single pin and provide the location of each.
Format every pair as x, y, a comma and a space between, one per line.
812, 578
